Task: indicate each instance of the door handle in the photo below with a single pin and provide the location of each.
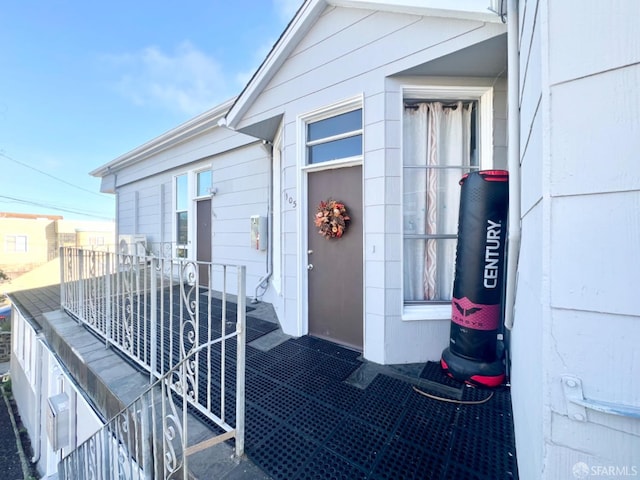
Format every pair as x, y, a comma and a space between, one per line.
309, 252
310, 266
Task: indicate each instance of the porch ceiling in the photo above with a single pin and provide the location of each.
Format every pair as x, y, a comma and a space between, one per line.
484, 59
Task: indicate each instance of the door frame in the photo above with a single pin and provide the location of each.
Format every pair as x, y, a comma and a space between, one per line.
303, 240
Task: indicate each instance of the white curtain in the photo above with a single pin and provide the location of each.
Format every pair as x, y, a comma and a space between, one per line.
435, 137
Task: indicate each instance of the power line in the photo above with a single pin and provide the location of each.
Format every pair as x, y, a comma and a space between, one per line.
50, 206
3, 155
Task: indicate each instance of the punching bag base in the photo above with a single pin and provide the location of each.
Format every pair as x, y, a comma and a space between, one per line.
473, 372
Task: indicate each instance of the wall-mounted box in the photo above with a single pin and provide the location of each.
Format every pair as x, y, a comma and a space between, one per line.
58, 421
259, 232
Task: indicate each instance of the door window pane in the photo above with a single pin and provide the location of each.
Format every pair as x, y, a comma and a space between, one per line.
204, 183
335, 137
343, 148
329, 127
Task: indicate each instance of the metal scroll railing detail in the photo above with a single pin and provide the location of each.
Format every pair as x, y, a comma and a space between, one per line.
177, 320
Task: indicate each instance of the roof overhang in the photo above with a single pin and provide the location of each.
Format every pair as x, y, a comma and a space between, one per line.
206, 121
479, 10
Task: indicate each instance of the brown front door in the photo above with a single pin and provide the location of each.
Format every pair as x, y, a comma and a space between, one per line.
203, 239
335, 265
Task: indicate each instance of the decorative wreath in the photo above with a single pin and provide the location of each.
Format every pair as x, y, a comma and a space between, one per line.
332, 219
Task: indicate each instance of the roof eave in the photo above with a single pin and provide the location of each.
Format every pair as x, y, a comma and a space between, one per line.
307, 14
461, 9
195, 126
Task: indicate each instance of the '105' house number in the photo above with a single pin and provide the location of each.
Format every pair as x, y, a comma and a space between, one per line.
290, 200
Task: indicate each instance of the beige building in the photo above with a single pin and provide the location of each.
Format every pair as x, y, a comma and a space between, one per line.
31, 241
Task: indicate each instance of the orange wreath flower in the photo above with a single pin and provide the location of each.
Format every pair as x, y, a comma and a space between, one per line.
332, 219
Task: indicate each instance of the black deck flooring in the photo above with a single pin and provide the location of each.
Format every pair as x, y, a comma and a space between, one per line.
305, 421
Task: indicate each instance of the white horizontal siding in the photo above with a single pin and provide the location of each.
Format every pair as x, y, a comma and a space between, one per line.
595, 260
355, 57
529, 345
575, 309
209, 143
596, 149
608, 32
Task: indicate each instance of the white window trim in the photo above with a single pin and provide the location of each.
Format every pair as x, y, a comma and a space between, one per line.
192, 198
484, 96
337, 108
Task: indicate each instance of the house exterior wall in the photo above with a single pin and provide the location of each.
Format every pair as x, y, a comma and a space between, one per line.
576, 309
241, 177
36, 375
529, 358
349, 53
41, 237
44, 237
86, 233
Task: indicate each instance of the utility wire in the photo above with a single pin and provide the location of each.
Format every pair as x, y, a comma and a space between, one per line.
54, 207
3, 155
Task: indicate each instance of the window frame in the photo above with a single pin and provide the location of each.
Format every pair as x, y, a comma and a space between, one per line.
192, 198
15, 238
324, 113
483, 95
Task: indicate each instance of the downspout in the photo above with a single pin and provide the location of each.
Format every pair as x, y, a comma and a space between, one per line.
513, 161
263, 282
37, 448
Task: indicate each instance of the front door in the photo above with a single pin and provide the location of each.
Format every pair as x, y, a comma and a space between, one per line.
334, 267
203, 239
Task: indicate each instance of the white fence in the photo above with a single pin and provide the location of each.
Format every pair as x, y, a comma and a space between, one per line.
164, 314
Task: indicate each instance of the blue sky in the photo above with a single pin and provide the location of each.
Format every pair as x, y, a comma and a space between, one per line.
83, 82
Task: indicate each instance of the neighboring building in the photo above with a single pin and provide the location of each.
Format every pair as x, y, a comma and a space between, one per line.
346, 106
28, 240
31, 241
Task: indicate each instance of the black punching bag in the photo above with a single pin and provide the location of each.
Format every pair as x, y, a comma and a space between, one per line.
478, 287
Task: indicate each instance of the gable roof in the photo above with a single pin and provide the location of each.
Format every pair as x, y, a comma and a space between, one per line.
309, 12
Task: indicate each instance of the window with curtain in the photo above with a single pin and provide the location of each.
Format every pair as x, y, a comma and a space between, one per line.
439, 147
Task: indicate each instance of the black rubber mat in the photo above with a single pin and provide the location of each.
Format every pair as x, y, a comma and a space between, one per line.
305, 422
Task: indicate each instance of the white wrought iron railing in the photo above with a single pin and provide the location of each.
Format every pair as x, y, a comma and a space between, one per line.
176, 319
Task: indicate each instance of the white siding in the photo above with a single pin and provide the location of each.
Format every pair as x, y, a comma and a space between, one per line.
349, 51
42, 375
576, 311
527, 344
241, 179
352, 52
208, 143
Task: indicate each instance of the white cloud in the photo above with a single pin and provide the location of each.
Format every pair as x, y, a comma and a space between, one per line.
287, 8
186, 80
